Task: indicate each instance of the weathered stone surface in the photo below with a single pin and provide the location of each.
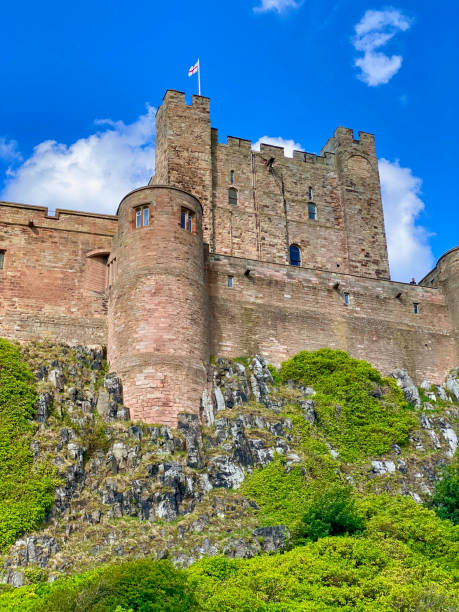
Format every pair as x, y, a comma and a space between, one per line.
408, 387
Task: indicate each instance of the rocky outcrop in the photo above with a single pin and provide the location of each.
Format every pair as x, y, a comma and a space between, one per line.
133, 489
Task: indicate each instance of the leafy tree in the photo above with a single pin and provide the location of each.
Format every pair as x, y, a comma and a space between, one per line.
445, 500
331, 511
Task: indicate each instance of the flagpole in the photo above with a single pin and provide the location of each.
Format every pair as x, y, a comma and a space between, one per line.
199, 77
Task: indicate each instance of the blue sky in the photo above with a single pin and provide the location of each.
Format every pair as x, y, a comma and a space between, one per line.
273, 69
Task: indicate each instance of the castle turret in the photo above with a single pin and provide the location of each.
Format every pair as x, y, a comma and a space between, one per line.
157, 321
445, 276
357, 167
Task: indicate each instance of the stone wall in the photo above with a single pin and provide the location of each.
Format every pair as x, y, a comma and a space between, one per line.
274, 191
53, 277
277, 311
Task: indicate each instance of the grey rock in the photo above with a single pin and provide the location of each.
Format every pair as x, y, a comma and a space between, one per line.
452, 384
219, 399
44, 403
408, 387
190, 427
57, 379
14, 577
441, 393
308, 410
241, 549
225, 472
383, 467
207, 409
272, 539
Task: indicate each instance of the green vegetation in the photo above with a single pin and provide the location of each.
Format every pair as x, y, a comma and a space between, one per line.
351, 551
26, 488
147, 586
331, 511
360, 413
445, 500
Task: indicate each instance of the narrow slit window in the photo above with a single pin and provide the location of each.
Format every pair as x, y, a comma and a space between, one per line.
2, 259
230, 282
232, 177
295, 255
188, 223
346, 299
232, 196
312, 212
146, 216
416, 308
310, 193
138, 218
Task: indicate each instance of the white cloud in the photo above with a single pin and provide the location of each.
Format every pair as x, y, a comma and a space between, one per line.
9, 151
277, 141
276, 5
376, 29
410, 254
91, 174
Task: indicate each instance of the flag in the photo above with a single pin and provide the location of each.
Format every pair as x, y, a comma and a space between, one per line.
193, 69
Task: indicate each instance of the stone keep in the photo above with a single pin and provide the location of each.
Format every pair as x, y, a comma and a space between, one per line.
206, 269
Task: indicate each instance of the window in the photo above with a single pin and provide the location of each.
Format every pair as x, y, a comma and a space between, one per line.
232, 177
186, 220
295, 255
346, 299
2, 259
416, 308
312, 211
142, 216
230, 282
310, 193
232, 195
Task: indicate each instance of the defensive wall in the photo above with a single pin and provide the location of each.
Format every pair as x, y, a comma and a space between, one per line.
53, 279
197, 263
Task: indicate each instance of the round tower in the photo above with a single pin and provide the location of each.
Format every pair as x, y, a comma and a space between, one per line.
158, 314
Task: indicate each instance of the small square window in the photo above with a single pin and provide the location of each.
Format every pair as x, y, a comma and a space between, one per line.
416, 308
2, 259
230, 281
346, 299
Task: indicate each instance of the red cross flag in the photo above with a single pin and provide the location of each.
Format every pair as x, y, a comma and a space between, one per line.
193, 70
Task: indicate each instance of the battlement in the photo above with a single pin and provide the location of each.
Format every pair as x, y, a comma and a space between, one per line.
173, 96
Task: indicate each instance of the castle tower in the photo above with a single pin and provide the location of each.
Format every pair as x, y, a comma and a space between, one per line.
157, 318
357, 167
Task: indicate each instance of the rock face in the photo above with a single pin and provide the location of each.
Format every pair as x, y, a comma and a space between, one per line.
136, 489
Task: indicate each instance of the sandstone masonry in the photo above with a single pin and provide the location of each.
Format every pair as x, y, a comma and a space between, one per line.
199, 263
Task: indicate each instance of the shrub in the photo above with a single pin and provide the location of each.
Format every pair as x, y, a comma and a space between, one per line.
137, 586
26, 489
445, 500
350, 414
331, 511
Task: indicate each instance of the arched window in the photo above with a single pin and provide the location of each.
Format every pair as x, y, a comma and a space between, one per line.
310, 193
295, 255
312, 211
232, 195
232, 177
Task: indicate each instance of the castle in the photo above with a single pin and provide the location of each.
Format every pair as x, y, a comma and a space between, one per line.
226, 252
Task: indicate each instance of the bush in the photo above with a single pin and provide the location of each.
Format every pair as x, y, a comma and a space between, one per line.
359, 412
445, 500
331, 511
26, 489
134, 586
